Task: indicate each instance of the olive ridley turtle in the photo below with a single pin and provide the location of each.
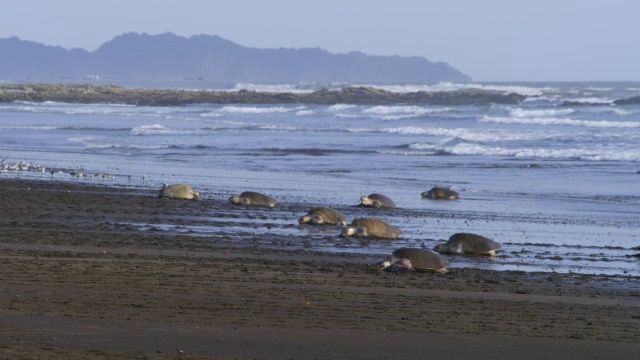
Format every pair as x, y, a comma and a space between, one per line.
467, 243
251, 198
179, 191
414, 259
440, 193
374, 228
323, 215
376, 201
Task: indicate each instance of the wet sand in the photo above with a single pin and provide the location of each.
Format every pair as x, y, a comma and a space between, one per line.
92, 272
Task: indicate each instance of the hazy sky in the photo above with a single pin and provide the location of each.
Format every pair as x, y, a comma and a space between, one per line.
490, 40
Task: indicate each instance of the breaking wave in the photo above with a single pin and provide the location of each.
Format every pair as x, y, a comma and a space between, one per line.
522, 113
256, 109
461, 133
560, 121
569, 154
157, 129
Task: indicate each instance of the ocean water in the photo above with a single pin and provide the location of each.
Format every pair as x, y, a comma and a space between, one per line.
557, 186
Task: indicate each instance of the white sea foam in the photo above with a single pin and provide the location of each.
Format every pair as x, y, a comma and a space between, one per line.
409, 153
621, 112
280, 88
305, 112
582, 154
340, 107
522, 113
276, 127
74, 109
461, 133
255, 109
100, 143
443, 86
560, 121
212, 115
448, 86
593, 100
400, 111
429, 146
348, 116
27, 127
593, 88
157, 129
403, 109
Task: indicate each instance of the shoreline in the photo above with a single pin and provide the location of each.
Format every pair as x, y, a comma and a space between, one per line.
106, 94
80, 280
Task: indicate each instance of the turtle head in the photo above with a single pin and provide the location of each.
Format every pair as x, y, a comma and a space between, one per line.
388, 261
235, 199
196, 195
426, 194
304, 220
311, 219
348, 231
455, 248
441, 248
364, 200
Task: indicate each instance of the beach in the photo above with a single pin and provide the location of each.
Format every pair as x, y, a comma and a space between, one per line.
95, 271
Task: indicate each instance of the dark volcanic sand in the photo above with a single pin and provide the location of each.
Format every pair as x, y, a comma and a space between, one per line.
78, 281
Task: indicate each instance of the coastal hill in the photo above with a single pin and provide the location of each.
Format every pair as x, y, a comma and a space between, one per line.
142, 59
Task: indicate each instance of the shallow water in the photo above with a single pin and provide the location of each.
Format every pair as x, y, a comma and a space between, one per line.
556, 185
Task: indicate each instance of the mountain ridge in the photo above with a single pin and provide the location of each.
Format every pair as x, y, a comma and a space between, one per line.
133, 57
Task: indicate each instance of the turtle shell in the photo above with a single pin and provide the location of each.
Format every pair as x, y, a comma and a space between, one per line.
382, 200
472, 243
258, 199
179, 191
440, 193
377, 228
330, 216
421, 259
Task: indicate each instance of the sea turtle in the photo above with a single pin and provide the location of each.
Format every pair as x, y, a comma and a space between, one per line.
323, 215
368, 227
254, 199
440, 193
466, 243
179, 191
376, 201
414, 259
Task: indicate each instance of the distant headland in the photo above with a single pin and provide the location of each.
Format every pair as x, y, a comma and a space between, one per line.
134, 59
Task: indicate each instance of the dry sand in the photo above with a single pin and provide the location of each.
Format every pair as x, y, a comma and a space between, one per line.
80, 279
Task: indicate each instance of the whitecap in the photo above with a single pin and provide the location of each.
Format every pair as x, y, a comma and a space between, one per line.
593, 100
305, 112
410, 153
211, 115
95, 143
449, 86
255, 110
428, 146
522, 113
462, 133
581, 154
621, 112
560, 121
403, 109
157, 129
27, 127
279, 88
340, 107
